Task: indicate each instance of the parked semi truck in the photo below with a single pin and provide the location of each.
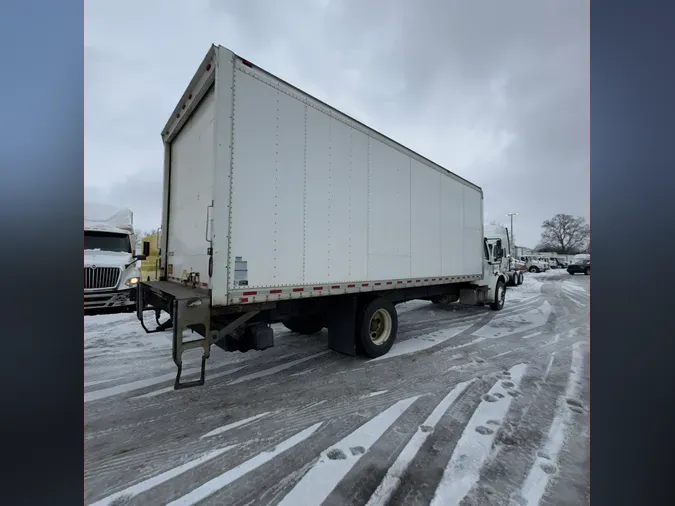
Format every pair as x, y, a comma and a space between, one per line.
498, 239
279, 208
110, 260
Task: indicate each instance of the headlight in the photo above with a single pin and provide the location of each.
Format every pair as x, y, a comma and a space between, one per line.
131, 281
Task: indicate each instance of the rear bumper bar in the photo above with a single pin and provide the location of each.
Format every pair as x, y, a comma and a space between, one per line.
189, 308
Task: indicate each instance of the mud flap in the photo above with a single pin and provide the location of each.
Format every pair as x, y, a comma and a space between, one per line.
342, 322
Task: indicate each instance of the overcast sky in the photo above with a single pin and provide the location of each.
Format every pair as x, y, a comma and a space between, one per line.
496, 91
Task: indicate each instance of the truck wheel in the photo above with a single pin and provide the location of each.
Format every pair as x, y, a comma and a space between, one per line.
306, 325
500, 296
520, 278
534, 269
378, 327
587, 272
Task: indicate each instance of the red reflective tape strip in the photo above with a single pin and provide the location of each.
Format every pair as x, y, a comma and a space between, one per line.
399, 282
378, 283
426, 280
250, 293
205, 284
334, 287
417, 281
318, 288
275, 291
351, 286
410, 281
364, 284
389, 282
244, 299
298, 289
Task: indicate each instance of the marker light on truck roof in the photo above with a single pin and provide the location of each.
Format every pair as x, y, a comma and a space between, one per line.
247, 63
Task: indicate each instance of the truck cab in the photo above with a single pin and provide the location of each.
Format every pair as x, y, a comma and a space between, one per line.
498, 243
110, 262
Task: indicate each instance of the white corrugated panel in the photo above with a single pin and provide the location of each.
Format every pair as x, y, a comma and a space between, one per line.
452, 227
317, 205
389, 213
473, 231
427, 232
191, 192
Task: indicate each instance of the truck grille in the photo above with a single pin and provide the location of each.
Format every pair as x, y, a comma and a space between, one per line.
101, 277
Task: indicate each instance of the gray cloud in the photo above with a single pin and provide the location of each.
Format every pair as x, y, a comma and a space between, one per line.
495, 91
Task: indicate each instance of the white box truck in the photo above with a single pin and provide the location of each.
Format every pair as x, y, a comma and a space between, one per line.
280, 208
110, 261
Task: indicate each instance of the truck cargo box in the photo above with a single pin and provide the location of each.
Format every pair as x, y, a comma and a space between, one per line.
271, 194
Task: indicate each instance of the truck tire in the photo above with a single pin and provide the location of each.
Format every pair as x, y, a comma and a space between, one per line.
377, 327
500, 296
520, 278
534, 269
305, 325
587, 272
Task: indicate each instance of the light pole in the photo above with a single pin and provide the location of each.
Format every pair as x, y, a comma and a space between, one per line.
511, 241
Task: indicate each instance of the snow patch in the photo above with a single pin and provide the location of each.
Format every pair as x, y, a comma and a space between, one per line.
134, 385
234, 425
475, 444
274, 370
166, 390
373, 394
335, 462
534, 334
535, 484
411, 305
392, 479
211, 487
502, 326
575, 287
148, 484
416, 344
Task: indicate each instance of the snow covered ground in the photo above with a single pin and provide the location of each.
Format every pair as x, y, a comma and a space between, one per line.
471, 406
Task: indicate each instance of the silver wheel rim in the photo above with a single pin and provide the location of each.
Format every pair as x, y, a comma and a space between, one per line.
380, 327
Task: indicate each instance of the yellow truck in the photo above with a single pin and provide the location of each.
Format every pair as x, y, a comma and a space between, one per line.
150, 266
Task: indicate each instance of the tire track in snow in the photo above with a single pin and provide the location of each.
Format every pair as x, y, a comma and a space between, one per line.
137, 489
392, 479
471, 451
335, 462
214, 485
273, 370
545, 465
140, 384
575, 297
234, 425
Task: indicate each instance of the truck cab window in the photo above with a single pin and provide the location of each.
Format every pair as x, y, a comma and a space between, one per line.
107, 241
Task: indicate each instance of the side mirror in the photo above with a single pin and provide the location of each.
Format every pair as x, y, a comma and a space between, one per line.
146, 249
140, 257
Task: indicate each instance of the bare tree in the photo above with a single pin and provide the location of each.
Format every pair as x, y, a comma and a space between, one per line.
565, 234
